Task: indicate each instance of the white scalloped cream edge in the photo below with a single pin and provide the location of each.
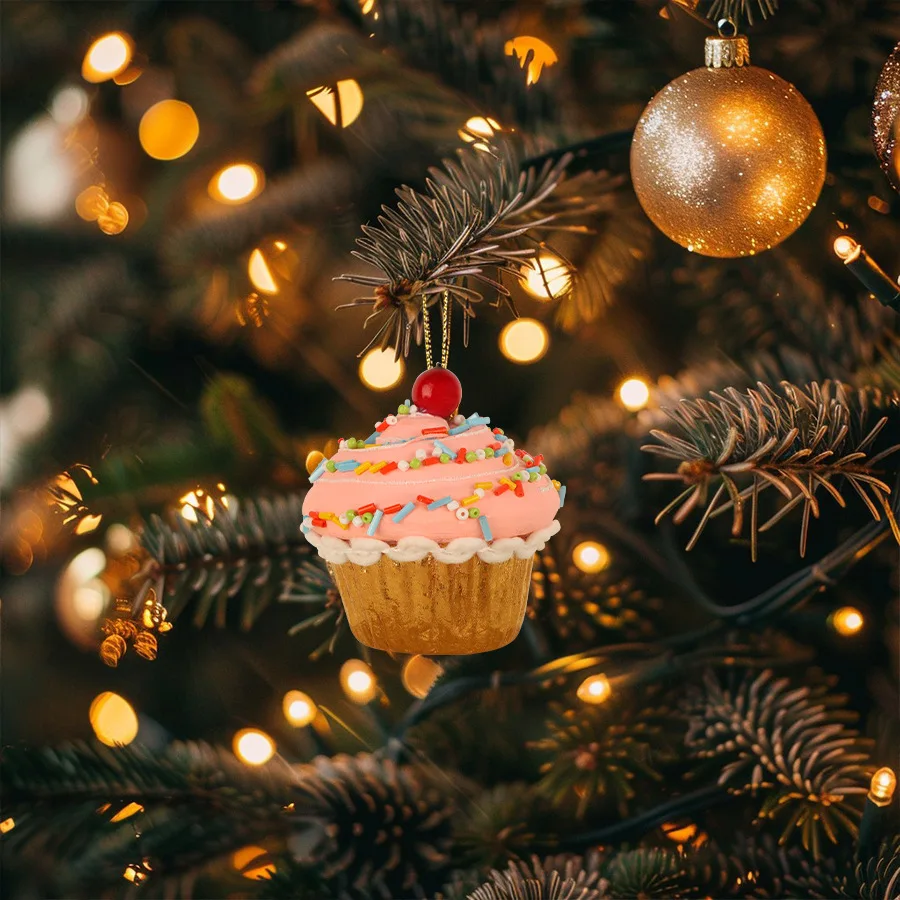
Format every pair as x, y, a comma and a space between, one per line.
368, 551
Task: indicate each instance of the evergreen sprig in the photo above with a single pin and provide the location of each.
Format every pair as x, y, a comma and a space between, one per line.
255, 552
554, 878
790, 744
475, 216
796, 440
741, 9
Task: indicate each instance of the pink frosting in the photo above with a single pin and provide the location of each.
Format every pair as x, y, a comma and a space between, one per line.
507, 514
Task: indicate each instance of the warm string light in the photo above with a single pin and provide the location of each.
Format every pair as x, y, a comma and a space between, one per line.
872, 277
542, 55
846, 621
594, 690
127, 811
340, 104
882, 787
418, 675
546, 277
253, 747
113, 719
106, 57
358, 681
236, 183
7, 825
524, 341
380, 371
203, 501
591, 557
299, 708
634, 394
241, 860
260, 274
168, 130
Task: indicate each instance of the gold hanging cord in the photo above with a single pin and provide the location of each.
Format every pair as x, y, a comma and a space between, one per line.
445, 332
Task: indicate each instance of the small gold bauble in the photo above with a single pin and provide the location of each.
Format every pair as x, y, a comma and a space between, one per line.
114, 220
92, 203
728, 160
886, 118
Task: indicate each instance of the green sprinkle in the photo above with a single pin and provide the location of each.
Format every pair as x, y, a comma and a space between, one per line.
516, 476
474, 512
488, 453
445, 457
471, 457
367, 517
415, 463
350, 514
542, 469
332, 467
351, 443
402, 410
533, 476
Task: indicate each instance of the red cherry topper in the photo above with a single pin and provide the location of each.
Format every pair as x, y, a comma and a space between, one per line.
438, 392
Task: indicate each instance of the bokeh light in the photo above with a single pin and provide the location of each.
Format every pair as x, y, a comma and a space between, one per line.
543, 54
241, 860
299, 708
594, 689
260, 274
236, 183
634, 394
845, 247
340, 104
113, 719
69, 105
882, 786
847, 621
419, 674
379, 370
546, 277
253, 747
524, 341
106, 57
168, 130
591, 557
358, 681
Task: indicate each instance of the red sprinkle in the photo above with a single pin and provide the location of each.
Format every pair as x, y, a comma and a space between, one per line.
538, 459
501, 490
496, 430
319, 523
313, 515
382, 426
442, 429
390, 510
369, 507
423, 499
520, 453
388, 468
430, 461
461, 455
520, 489
495, 446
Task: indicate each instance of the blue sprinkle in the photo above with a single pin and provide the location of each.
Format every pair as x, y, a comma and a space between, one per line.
459, 429
562, 496
400, 516
437, 504
445, 449
371, 438
306, 524
318, 473
376, 521
480, 420
485, 528
473, 416
347, 465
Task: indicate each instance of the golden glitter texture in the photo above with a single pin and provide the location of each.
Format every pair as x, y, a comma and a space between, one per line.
728, 160
435, 608
886, 118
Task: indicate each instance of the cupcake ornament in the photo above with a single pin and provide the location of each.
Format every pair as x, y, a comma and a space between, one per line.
430, 524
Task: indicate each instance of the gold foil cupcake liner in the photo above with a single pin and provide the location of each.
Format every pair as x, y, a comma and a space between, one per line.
434, 608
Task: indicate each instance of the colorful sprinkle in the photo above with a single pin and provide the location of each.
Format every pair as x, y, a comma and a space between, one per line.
342, 523
350, 514
326, 515
318, 472
479, 454
421, 454
468, 501
367, 517
431, 461
332, 467
542, 469
484, 484
407, 509
479, 491
538, 459
391, 420
423, 499
501, 490
462, 514
497, 430
372, 437
347, 465
381, 426
376, 521
475, 419
489, 454
415, 463
319, 523
453, 505
390, 510
459, 429
474, 512
350, 443
403, 465
357, 521
442, 429
444, 458
520, 489
444, 448
437, 504
470, 456
378, 466
362, 467
534, 476
507, 482
555, 484
562, 496
485, 528
389, 467
508, 459
461, 455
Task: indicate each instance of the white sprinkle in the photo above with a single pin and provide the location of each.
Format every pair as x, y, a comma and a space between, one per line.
479, 492
453, 505
344, 520
421, 454
479, 454
391, 420
403, 465
357, 521
413, 409
462, 513
458, 419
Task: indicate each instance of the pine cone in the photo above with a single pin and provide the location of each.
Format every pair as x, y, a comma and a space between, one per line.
556, 878
387, 832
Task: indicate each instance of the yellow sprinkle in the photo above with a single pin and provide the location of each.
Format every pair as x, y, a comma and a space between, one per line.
327, 515
362, 467
470, 500
378, 466
506, 481
337, 521
484, 485
556, 484
507, 459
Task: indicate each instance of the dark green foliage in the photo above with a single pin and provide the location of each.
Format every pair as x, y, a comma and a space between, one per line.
648, 872
793, 439
788, 745
553, 878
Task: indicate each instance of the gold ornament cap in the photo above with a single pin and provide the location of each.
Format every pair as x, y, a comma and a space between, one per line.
727, 49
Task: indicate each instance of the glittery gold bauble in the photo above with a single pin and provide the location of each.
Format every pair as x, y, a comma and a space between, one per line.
886, 118
728, 160
114, 220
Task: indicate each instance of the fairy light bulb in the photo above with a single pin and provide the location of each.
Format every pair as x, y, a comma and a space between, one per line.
106, 57
113, 719
419, 674
236, 183
846, 248
358, 681
253, 747
594, 690
542, 54
379, 371
546, 277
299, 708
341, 105
634, 394
524, 341
260, 274
168, 130
590, 557
846, 621
882, 786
